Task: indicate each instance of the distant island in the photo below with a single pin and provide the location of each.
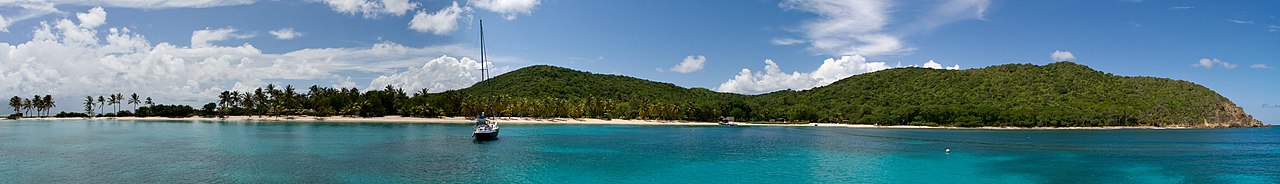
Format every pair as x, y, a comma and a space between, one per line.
1062, 94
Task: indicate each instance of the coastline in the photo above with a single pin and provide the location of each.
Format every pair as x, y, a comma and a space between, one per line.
582, 121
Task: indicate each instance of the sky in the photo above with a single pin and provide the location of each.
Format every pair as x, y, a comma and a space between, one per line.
187, 51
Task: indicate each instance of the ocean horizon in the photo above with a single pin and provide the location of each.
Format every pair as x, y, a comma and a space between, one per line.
105, 151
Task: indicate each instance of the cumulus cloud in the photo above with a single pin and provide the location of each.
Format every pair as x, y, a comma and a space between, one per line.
372, 8
863, 27
786, 41
69, 61
690, 64
440, 22
508, 8
285, 33
94, 18
935, 65
439, 74
1059, 55
201, 38
831, 70
1259, 66
1208, 63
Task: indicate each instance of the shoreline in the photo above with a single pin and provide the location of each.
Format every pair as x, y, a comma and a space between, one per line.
568, 121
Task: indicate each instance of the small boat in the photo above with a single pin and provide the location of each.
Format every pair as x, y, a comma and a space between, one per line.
727, 121
485, 129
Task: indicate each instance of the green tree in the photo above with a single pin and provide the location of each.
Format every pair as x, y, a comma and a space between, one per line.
16, 103
38, 104
88, 105
102, 102
133, 99
49, 104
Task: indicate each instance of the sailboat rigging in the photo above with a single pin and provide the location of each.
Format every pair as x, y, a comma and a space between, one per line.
485, 128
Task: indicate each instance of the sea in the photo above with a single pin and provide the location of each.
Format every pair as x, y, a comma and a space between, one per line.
110, 151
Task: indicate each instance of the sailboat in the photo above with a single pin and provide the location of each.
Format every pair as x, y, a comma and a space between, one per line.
485, 129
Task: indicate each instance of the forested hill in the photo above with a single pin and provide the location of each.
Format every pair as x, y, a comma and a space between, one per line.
1054, 95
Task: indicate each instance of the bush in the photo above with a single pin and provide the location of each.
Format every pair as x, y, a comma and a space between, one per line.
71, 115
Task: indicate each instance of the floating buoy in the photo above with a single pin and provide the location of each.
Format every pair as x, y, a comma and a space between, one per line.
948, 150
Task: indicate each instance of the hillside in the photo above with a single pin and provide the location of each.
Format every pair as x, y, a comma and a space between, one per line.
1058, 94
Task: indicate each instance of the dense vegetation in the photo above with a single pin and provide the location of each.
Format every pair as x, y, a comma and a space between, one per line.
1058, 94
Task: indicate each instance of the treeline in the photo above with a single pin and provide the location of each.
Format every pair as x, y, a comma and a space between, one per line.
23, 106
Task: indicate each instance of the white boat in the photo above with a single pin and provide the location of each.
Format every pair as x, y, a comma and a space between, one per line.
485, 129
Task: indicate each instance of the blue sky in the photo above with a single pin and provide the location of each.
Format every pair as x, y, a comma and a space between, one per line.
1231, 47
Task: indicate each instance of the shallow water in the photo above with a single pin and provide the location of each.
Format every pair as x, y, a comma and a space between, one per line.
240, 152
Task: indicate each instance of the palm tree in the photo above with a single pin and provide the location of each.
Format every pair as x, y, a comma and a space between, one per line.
88, 105
260, 101
37, 103
135, 101
49, 104
288, 97
102, 102
116, 99
16, 103
224, 98
26, 104
149, 102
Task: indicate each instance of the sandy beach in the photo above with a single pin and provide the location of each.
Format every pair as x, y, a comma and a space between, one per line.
569, 121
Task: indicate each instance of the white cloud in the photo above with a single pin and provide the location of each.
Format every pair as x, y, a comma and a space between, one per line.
1259, 66
35, 8
372, 8
863, 27
508, 8
786, 41
1062, 56
201, 38
440, 22
67, 61
831, 70
1181, 7
94, 18
1273, 28
1208, 63
285, 33
690, 64
341, 82
935, 65
439, 74
4, 23
1239, 21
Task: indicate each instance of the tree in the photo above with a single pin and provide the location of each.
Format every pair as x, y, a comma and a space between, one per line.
49, 104
38, 104
26, 104
16, 103
88, 105
135, 101
149, 102
102, 102
116, 99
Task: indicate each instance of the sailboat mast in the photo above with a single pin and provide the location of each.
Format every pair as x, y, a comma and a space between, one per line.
484, 70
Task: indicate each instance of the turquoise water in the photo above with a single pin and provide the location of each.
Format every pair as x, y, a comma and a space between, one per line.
240, 152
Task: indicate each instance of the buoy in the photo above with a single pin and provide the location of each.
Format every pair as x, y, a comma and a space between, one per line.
948, 150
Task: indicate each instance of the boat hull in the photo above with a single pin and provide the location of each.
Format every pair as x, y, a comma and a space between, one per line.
484, 136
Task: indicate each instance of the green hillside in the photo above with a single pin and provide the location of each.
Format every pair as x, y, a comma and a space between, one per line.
1058, 94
